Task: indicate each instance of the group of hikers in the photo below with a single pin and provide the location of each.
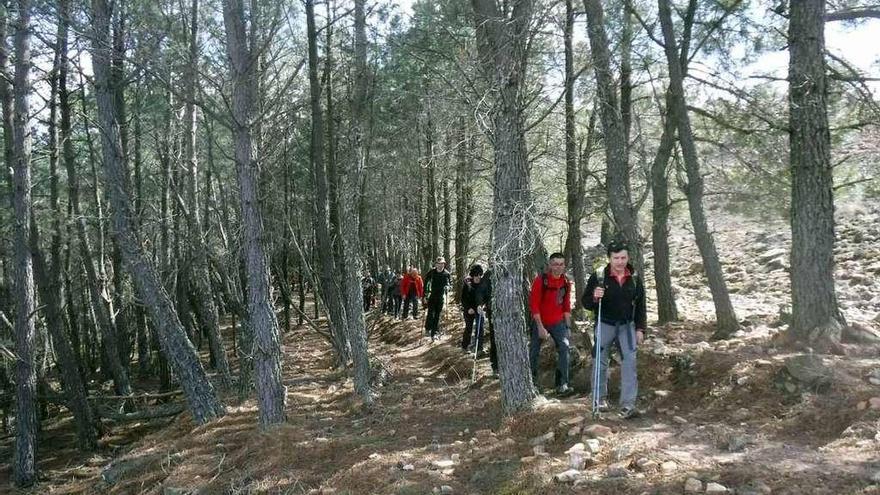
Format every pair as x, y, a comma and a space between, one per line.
614, 293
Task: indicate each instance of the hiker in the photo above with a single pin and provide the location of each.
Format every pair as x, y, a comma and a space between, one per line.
550, 305
411, 289
437, 281
386, 279
368, 287
396, 296
475, 297
622, 295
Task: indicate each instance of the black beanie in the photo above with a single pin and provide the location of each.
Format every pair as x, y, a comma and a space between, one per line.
476, 271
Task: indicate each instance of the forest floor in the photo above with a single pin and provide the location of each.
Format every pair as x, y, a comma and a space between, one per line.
738, 416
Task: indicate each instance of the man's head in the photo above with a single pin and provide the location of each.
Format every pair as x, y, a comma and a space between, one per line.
618, 255
476, 273
556, 264
387, 268
440, 263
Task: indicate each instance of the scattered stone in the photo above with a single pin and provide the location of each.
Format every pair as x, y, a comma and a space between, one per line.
408, 467
375, 455
679, 420
861, 333
446, 489
808, 370
617, 471
598, 431
567, 476
448, 472
574, 431
420, 379
716, 488
621, 452
456, 458
862, 405
573, 421
661, 394
693, 485
527, 459
539, 450
646, 465
736, 443
508, 442
593, 446
874, 403
578, 447
755, 487
668, 466
541, 440
442, 464
412, 439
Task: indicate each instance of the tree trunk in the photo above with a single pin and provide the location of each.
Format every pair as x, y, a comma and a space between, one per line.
200, 279
327, 282
816, 319
464, 204
666, 308
574, 182
349, 189
202, 400
24, 461
266, 349
726, 322
49, 276
617, 164
501, 43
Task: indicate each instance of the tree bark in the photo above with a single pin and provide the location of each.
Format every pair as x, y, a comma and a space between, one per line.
49, 275
266, 347
464, 203
349, 190
725, 316
666, 309
201, 399
200, 279
617, 163
574, 181
27, 424
502, 47
816, 318
327, 282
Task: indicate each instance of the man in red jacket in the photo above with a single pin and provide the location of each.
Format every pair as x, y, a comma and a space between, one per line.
550, 305
411, 289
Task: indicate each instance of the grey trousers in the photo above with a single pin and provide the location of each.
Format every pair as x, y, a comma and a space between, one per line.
624, 336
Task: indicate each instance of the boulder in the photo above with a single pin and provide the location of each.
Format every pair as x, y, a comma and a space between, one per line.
806, 371
693, 485
716, 488
861, 333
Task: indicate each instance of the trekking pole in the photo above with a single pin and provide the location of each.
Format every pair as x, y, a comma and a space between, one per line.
597, 345
477, 343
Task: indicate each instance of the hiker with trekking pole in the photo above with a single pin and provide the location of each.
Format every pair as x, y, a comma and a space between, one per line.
474, 299
550, 306
617, 295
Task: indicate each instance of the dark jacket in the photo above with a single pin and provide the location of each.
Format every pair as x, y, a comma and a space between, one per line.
621, 303
475, 295
436, 283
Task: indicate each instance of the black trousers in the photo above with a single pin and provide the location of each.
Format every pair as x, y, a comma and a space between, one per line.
435, 308
414, 301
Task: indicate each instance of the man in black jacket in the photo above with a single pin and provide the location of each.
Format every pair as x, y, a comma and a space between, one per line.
475, 298
436, 282
620, 291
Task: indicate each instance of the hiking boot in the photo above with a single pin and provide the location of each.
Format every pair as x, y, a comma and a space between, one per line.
628, 413
604, 406
564, 390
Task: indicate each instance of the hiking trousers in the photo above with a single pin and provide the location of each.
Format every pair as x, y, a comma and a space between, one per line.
561, 338
432, 321
622, 334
